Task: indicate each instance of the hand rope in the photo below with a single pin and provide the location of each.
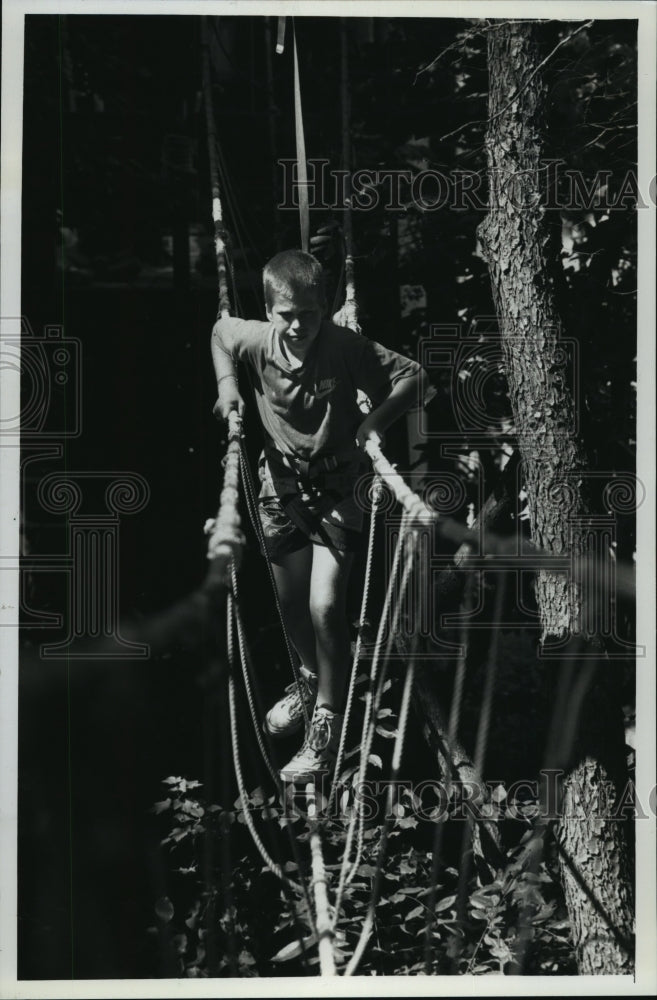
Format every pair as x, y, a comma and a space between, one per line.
410, 501
226, 541
323, 919
377, 490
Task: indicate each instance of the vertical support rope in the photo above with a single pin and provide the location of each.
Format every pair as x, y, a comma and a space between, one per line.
246, 669
302, 167
322, 915
396, 764
220, 233
366, 734
248, 819
350, 308
271, 124
376, 499
376, 703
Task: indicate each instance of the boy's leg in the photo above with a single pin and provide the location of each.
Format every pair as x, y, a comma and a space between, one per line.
328, 612
292, 573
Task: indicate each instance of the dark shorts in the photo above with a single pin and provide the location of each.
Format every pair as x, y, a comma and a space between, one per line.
313, 515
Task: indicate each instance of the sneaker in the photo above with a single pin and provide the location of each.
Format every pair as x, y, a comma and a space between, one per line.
320, 747
287, 716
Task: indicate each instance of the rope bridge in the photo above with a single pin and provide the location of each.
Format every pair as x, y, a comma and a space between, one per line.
310, 894
224, 550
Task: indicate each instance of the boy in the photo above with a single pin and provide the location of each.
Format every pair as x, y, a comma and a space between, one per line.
306, 372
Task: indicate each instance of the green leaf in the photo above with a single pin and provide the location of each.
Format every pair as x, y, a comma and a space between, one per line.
164, 909
388, 734
294, 949
160, 807
407, 822
444, 903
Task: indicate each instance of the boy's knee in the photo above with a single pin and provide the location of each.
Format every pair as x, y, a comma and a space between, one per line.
324, 610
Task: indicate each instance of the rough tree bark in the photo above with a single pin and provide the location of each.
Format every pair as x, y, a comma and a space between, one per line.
518, 245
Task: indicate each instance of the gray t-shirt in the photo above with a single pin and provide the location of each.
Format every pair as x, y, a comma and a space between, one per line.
311, 411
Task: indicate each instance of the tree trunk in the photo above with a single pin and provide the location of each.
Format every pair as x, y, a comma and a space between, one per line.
518, 246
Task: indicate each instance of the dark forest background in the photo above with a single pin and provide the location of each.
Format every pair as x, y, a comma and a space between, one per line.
117, 249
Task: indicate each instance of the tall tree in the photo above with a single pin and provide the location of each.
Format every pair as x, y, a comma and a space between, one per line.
521, 247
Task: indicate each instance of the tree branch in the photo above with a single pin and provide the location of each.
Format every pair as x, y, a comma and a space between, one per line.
522, 88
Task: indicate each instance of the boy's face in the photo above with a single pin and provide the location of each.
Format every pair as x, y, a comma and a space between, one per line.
297, 317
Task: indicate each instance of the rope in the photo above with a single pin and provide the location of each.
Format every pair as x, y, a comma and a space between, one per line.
226, 541
322, 915
350, 308
220, 233
410, 501
245, 660
302, 166
396, 764
262, 850
365, 743
377, 698
376, 499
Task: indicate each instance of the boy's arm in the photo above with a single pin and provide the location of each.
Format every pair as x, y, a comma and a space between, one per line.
222, 345
405, 394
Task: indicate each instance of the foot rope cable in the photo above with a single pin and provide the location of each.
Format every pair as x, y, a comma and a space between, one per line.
323, 922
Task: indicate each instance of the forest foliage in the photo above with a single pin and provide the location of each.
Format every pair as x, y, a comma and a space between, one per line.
419, 108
